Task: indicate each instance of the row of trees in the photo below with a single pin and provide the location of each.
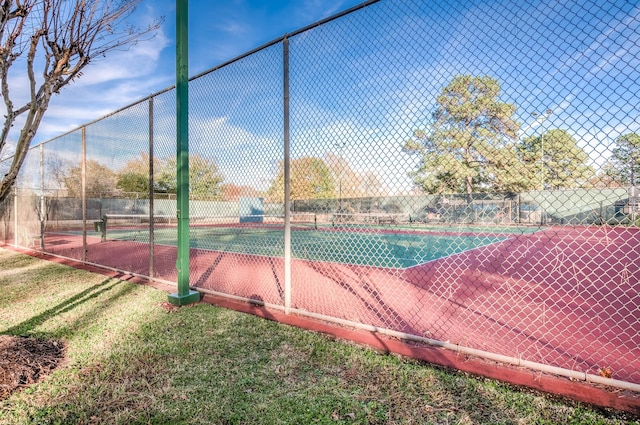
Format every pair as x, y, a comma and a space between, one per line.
551, 160
205, 180
472, 145
312, 178
324, 178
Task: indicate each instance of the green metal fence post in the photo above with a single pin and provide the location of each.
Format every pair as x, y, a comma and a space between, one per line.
184, 295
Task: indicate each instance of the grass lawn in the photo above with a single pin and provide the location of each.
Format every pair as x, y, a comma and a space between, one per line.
132, 360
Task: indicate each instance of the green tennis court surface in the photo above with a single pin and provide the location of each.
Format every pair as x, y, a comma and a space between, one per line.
378, 249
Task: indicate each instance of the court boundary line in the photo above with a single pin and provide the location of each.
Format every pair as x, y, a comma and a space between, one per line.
460, 253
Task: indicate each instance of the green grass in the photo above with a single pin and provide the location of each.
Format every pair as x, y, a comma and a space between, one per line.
131, 361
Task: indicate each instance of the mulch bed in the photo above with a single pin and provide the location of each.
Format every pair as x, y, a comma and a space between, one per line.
24, 361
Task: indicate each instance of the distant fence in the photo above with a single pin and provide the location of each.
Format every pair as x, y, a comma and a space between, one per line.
458, 174
571, 206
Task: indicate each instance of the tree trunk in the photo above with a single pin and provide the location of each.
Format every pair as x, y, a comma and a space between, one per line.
27, 134
9, 179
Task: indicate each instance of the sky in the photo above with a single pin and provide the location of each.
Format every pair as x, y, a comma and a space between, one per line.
360, 85
218, 32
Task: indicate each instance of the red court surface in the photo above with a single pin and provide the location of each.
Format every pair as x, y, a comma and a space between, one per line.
564, 296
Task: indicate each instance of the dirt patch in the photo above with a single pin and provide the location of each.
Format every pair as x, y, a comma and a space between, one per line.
24, 361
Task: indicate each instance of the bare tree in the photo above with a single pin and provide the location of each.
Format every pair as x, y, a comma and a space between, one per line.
51, 41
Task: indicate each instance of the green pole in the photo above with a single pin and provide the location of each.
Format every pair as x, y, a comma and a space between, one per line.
184, 295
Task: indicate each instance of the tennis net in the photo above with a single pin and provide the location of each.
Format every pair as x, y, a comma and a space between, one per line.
117, 225
369, 219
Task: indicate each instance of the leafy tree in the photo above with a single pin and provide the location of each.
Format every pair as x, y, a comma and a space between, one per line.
508, 173
100, 181
205, 181
370, 184
49, 43
555, 161
233, 192
349, 182
134, 176
470, 144
625, 160
605, 177
133, 182
310, 179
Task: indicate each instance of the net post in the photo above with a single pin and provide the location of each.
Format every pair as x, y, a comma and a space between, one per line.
287, 176
103, 229
184, 295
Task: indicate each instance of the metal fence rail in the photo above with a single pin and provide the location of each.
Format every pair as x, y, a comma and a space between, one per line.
459, 174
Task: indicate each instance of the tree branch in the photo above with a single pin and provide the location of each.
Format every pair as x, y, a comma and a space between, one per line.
63, 36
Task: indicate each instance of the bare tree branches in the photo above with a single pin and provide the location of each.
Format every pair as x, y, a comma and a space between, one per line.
53, 40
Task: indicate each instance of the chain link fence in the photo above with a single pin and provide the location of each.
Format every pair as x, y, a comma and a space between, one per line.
460, 174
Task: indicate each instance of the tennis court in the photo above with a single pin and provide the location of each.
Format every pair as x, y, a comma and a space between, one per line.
352, 242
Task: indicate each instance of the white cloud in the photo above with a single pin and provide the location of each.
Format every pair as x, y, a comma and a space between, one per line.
366, 149
233, 27
311, 9
216, 133
137, 61
7, 150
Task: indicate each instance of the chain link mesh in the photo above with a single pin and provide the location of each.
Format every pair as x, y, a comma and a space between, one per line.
464, 172
62, 174
236, 124
26, 203
117, 183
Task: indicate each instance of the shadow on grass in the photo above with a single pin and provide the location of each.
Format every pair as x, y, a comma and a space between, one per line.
69, 304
